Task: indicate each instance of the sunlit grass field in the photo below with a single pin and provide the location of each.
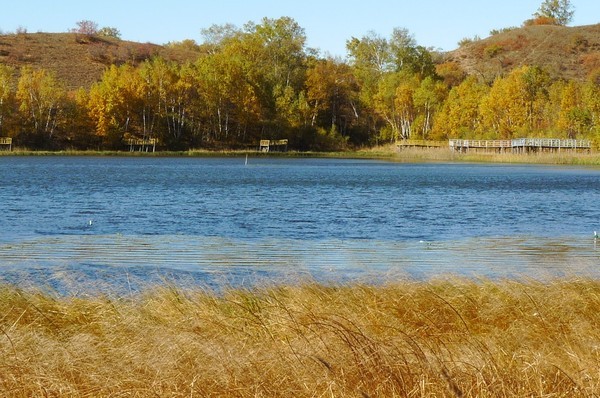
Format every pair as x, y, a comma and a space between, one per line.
440, 338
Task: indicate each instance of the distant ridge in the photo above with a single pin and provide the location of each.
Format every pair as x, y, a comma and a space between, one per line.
78, 60
564, 52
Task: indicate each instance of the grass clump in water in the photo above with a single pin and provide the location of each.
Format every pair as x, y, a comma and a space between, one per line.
457, 338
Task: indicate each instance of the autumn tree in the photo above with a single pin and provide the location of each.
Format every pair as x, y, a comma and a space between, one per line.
78, 126
428, 99
591, 99
41, 98
561, 11
535, 83
278, 68
332, 92
231, 92
575, 120
6, 94
394, 102
162, 108
512, 103
459, 116
451, 73
116, 105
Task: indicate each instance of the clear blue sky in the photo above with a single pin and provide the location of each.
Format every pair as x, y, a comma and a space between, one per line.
328, 24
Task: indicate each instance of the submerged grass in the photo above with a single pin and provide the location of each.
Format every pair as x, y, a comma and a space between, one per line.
453, 338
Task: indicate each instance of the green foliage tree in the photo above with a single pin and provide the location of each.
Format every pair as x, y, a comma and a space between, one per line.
408, 56
428, 99
394, 102
561, 11
109, 32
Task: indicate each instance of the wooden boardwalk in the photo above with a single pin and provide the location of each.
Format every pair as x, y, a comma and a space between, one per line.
421, 144
521, 145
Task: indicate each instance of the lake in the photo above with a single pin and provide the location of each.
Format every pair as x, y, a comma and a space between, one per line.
80, 223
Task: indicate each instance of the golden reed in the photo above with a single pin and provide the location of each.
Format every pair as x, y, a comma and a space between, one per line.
446, 338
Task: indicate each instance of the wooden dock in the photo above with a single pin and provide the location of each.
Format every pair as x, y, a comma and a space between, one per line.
6, 142
521, 145
273, 145
142, 145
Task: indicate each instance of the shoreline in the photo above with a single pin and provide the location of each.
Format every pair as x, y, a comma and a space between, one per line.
387, 153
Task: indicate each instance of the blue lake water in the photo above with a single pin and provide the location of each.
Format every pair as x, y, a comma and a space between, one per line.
77, 223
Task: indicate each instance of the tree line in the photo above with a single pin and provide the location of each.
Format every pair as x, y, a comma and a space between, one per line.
262, 82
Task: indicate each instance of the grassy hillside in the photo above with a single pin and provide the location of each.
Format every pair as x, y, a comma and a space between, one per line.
566, 52
78, 60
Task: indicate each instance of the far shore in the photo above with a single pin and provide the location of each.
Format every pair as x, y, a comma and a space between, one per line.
388, 152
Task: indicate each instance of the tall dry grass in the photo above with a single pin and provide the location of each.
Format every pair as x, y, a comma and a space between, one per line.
452, 338
446, 155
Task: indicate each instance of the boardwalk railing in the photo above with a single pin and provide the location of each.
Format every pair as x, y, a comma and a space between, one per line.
480, 144
521, 144
550, 143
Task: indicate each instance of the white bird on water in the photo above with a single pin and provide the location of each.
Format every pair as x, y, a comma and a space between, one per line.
90, 222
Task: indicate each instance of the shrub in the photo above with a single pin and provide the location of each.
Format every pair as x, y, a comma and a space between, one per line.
540, 20
493, 50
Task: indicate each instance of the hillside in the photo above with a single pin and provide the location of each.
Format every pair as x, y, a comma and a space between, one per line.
565, 52
78, 60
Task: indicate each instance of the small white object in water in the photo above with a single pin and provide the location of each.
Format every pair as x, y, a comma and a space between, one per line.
596, 235
90, 222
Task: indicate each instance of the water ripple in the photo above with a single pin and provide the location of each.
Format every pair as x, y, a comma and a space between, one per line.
281, 259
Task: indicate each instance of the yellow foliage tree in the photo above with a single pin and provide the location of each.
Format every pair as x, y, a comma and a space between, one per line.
6, 94
41, 98
114, 103
459, 116
504, 111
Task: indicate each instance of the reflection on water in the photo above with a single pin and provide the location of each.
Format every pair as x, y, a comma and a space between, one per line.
116, 261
